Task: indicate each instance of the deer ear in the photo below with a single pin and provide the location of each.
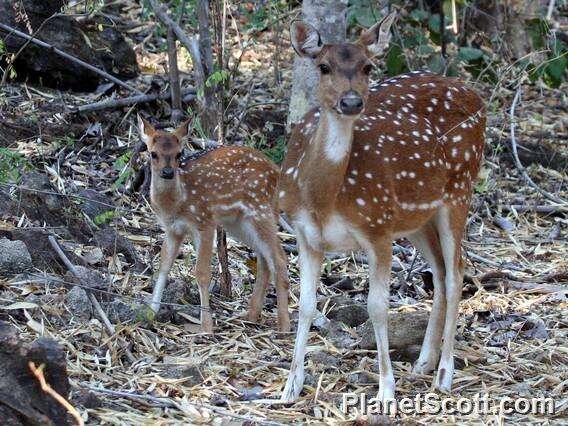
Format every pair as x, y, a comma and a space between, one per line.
145, 129
184, 129
377, 38
306, 39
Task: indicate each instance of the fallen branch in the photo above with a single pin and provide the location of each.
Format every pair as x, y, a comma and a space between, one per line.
187, 94
518, 164
38, 372
537, 209
69, 57
98, 308
168, 402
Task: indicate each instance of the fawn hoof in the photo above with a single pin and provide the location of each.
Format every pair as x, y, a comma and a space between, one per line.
423, 367
443, 380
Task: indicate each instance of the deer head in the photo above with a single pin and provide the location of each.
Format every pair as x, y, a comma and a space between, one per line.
344, 68
165, 148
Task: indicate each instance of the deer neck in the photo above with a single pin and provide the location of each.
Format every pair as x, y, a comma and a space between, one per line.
328, 156
166, 193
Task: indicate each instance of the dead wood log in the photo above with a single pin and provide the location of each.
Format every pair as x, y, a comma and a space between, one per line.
22, 400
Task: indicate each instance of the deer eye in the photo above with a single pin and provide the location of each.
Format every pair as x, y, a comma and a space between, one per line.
154, 155
367, 69
324, 69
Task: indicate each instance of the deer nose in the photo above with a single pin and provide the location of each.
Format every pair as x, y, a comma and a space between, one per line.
167, 173
351, 103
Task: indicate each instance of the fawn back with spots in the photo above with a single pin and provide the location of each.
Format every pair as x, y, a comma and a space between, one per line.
373, 164
232, 187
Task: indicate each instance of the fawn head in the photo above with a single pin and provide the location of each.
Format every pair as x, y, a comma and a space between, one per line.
165, 148
344, 68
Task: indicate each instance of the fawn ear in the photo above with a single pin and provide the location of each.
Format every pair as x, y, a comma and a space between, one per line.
184, 129
377, 38
306, 39
145, 129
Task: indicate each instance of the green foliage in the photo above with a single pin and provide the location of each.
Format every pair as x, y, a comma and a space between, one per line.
2, 47
12, 164
121, 165
217, 78
417, 45
275, 152
104, 217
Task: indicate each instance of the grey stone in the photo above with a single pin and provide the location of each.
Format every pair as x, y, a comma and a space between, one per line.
78, 303
14, 257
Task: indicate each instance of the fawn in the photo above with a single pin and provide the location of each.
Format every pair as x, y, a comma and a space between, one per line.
374, 164
233, 187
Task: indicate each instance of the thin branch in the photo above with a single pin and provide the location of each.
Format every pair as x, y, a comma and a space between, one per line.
38, 372
550, 10
518, 164
69, 57
103, 316
187, 95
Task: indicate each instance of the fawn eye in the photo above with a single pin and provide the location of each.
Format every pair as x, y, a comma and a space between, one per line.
324, 69
154, 155
367, 69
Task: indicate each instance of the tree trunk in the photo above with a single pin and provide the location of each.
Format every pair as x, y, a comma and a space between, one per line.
329, 18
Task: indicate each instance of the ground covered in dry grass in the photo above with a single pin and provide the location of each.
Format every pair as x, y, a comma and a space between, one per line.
512, 332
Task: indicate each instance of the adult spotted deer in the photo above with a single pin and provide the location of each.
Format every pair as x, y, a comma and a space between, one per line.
233, 187
373, 164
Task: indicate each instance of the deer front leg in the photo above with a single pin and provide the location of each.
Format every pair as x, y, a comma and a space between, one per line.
378, 305
310, 264
203, 244
170, 250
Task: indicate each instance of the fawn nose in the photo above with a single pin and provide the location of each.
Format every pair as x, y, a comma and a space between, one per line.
351, 103
167, 173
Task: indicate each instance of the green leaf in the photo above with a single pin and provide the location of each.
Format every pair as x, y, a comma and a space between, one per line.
469, 54
425, 49
436, 64
395, 61
434, 24
419, 15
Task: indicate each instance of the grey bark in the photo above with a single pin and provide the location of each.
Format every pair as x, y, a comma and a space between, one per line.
329, 18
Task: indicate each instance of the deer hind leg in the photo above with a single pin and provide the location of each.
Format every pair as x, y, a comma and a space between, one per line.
426, 240
378, 305
267, 245
451, 222
260, 287
203, 244
170, 250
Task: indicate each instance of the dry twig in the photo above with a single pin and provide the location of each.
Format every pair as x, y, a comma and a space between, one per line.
38, 372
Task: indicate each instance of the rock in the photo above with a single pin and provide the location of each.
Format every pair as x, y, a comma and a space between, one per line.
6, 204
21, 396
340, 338
14, 257
111, 243
94, 203
346, 310
323, 360
87, 277
86, 398
338, 282
78, 303
43, 255
105, 49
405, 329
120, 312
